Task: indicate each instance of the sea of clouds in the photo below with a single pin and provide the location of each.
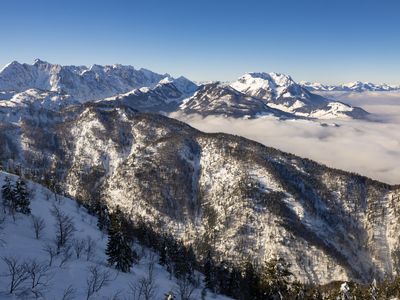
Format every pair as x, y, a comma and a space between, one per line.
370, 148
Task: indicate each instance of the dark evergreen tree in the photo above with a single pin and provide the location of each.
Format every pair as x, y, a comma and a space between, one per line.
185, 261
163, 253
22, 197
181, 268
209, 272
191, 259
103, 220
119, 251
250, 286
275, 278
172, 254
8, 195
235, 278
223, 275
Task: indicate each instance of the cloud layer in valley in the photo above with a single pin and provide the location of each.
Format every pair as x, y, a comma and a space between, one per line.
368, 148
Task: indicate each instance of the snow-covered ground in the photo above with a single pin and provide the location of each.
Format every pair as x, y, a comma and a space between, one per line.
19, 242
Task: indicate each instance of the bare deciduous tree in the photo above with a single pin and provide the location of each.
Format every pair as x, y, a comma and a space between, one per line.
145, 288
90, 247
39, 225
64, 227
96, 280
116, 296
2, 220
51, 251
185, 288
79, 245
66, 255
69, 293
16, 272
39, 276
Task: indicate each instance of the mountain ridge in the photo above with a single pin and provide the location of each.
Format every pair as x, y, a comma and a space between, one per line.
81, 82
261, 93
357, 86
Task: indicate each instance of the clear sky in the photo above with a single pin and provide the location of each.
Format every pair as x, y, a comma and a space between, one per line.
329, 41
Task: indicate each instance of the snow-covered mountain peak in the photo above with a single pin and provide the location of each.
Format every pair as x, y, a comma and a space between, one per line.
281, 92
166, 80
277, 79
181, 83
267, 85
38, 61
185, 85
9, 65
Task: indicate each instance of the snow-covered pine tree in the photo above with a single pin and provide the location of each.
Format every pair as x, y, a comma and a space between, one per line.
373, 290
275, 277
344, 292
118, 249
22, 197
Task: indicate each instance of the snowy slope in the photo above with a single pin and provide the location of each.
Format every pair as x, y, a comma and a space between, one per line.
19, 242
39, 99
222, 100
166, 96
33, 105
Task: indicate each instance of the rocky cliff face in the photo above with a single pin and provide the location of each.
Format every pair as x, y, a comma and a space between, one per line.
215, 191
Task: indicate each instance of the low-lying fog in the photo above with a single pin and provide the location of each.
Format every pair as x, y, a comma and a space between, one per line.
368, 148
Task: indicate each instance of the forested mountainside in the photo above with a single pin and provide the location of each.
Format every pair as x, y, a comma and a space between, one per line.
221, 193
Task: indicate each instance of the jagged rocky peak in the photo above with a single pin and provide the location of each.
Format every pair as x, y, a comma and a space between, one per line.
38, 61
81, 82
183, 84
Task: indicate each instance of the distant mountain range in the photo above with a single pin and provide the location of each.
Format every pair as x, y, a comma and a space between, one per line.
253, 95
80, 82
356, 86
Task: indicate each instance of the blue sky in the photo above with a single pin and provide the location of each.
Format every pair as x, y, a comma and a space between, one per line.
317, 40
